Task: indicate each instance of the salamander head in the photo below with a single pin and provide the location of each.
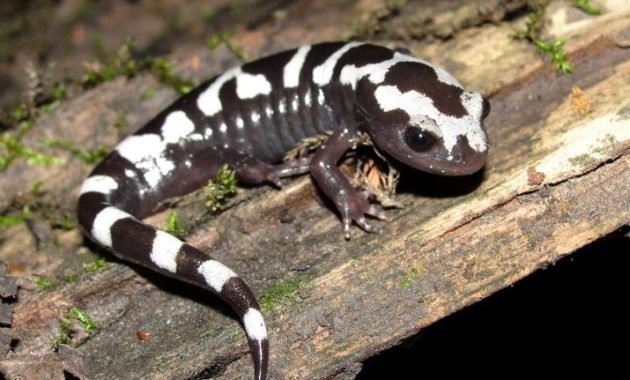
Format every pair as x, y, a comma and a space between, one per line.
420, 115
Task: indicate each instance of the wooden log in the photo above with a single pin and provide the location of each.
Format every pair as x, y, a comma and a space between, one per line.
555, 181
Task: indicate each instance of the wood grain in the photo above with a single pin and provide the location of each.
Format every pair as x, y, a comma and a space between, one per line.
555, 181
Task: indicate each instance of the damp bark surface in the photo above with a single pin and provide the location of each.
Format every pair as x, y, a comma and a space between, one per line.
557, 179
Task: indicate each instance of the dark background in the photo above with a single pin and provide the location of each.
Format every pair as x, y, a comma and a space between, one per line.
567, 321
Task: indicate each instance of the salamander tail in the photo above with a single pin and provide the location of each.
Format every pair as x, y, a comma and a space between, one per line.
132, 240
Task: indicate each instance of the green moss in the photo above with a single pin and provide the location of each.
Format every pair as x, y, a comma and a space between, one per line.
35, 158
40, 101
214, 41
65, 329
224, 38
408, 279
83, 317
11, 148
235, 335
218, 191
96, 265
121, 119
20, 120
555, 52
147, 93
7, 221
43, 283
88, 156
36, 188
209, 13
123, 64
85, 10
48, 107
59, 91
163, 70
160, 363
71, 278
586, 7
285, 292
98, 45
533, 33
67, 223
65, 326
14, 117
18, 114
583, 159
172, 224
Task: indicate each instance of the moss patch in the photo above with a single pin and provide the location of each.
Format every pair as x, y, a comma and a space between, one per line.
282, 293
218, 191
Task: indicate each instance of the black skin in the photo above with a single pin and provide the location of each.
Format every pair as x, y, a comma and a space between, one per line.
352, 205
252, 146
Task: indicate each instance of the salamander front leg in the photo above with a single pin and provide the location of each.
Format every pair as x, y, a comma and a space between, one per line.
352, 205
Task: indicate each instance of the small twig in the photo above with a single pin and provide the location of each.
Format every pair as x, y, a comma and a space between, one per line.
381, 184
306, 146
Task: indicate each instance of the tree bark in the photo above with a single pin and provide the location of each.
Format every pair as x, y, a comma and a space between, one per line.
555, 181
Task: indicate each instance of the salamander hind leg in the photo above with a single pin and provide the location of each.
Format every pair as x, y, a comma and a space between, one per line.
254, 171
353, 206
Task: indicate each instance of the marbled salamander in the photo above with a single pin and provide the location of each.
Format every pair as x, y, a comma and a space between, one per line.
249, 117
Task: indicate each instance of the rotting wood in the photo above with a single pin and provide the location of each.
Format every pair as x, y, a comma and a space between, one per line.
496, 229
420, 19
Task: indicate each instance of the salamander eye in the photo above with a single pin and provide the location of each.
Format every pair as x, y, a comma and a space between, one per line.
485, 110
418, 139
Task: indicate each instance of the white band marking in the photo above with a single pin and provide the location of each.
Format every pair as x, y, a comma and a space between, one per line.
164, 251
248, 86
146, 152
215, 274
350, 74
103, 222
208, 101
323, 73
419, 106
292, 70
176, 127
99, 184
255, 325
